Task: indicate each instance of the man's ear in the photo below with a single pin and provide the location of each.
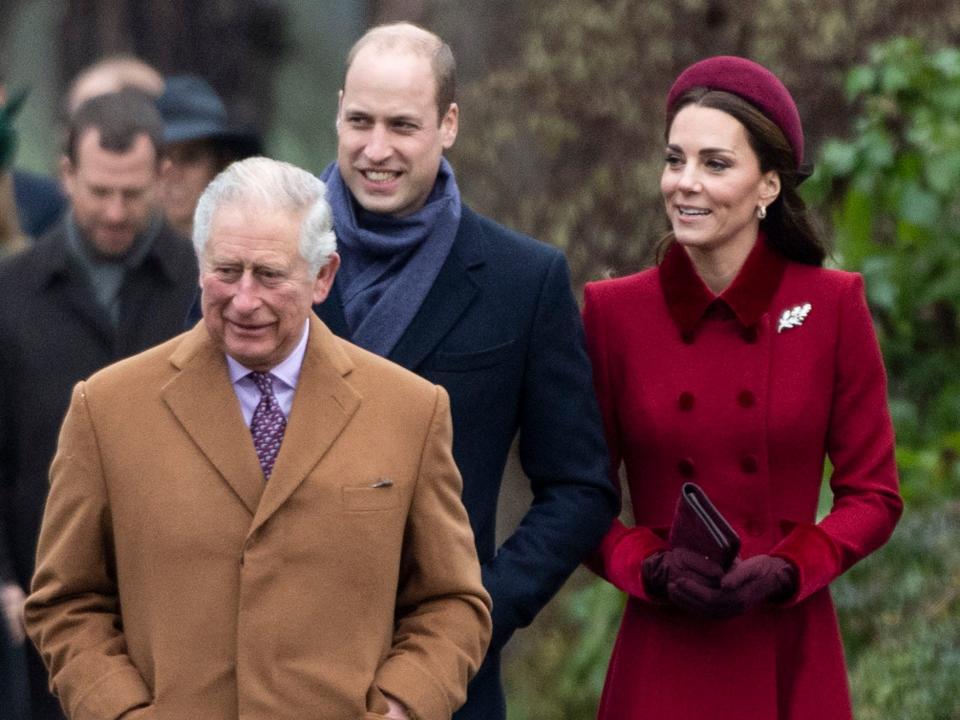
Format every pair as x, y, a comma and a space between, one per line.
336, 121
324, 280
67, 175
449, 125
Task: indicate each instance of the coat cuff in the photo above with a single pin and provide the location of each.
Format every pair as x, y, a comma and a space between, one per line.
415, 687
811, 551
623, 551
108, 698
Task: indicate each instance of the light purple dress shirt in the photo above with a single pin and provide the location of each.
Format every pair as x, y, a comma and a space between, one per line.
284, 377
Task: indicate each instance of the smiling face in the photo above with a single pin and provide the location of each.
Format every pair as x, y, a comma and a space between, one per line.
257, 288
712, 184
389, 139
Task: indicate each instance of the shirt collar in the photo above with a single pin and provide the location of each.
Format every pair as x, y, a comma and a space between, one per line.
287, 372
748, 296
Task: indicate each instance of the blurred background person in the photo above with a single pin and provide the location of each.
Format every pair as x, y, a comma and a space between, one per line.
40, 202
111, 279
12, 240
199, 142
110, 74
37, 201
739, 363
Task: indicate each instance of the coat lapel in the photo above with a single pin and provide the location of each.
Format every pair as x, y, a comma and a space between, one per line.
323, 405
214, 423
452, 292
63, 277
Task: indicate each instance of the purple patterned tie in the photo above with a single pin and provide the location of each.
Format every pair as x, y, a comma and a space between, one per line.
267, 424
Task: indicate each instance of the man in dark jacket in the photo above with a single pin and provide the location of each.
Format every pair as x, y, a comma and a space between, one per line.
483, 311
107, 282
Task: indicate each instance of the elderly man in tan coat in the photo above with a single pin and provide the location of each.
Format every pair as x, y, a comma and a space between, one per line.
257, 519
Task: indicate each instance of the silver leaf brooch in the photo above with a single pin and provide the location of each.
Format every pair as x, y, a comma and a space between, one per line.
793, 317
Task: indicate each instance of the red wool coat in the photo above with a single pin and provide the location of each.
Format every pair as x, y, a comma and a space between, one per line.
721, 392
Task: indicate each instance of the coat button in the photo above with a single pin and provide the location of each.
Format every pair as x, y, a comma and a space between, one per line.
749, 464
687, 336
686, 467
685, 402
751, 334
746, 399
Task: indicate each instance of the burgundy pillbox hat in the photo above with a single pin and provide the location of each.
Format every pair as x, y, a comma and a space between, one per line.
750, 81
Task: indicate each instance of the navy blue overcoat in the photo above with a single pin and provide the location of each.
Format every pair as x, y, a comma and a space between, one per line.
500, 331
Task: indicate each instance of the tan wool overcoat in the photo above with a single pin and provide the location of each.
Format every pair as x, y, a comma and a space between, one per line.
172, 578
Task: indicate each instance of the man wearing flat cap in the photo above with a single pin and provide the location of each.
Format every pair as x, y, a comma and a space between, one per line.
257, 519
199, 142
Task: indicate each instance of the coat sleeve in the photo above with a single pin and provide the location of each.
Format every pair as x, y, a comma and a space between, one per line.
443, 613
623, 549
562, 452
73, 612
860, 444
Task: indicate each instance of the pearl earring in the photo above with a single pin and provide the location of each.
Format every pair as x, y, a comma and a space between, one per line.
761, 212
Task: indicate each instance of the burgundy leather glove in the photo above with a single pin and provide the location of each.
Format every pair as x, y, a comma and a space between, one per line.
757, 580
685, 578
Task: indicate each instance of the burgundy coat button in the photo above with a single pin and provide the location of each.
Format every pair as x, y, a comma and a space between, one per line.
685, 402
751, 333
749, 464
687, 336
686, 467
746, 398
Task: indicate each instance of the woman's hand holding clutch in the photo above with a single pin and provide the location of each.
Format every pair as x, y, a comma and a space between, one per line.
685, 578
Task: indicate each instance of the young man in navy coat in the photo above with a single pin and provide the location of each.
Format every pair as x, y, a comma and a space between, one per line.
483, 311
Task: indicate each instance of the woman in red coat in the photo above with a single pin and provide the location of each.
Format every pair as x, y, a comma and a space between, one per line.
738, 363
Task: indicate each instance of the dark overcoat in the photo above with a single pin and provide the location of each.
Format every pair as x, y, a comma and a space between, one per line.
500, 331
747, 401
53, 333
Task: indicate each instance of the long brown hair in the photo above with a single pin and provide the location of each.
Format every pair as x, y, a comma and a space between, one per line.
788, 226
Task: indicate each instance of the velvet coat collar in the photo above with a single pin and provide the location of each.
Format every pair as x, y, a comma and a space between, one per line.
748, 296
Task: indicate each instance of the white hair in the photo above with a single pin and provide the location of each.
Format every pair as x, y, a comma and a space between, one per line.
272, 184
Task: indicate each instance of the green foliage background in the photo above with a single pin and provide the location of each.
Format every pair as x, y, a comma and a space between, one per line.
566, 145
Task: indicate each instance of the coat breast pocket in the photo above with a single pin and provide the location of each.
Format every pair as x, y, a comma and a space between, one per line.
381, 495
456, 361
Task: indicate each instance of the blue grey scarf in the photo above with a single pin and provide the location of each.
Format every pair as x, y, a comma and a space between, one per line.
389, 264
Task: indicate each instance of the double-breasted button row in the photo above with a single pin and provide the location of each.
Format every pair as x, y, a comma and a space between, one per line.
686, 400
688, 469
749, 334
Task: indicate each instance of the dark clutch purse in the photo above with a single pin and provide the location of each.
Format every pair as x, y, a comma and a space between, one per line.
699, 526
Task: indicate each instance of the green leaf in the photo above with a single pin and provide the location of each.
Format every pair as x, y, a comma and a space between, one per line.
878, 275
918, 206
839, 156
860, 80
